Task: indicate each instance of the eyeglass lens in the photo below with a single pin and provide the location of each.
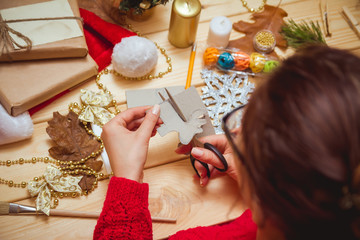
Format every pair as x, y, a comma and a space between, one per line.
233, 124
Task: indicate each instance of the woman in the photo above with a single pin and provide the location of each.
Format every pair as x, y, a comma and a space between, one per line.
296, 159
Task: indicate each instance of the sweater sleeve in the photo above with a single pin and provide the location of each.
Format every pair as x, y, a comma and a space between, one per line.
125, 214
242, 228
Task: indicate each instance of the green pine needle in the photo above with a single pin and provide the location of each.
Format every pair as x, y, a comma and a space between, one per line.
301, 34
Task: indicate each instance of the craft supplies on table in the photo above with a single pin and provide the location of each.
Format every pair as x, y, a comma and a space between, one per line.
219, 32
191, 66
352, 20
235, 60
18, 209
184, 21
264, 41
325, 17
170, 176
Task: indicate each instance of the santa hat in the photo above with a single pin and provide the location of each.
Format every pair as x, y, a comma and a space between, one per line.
101, 36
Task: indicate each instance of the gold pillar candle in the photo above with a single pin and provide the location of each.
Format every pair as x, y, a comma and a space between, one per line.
184, 21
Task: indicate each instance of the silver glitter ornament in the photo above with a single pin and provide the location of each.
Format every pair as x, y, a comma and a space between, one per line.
224, 93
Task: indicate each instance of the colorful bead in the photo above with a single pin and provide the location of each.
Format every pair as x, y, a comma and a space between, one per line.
211, 56
257, 62
242, 60
270, 65
226, 61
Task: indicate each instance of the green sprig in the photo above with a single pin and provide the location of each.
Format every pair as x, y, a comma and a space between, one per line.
300, 34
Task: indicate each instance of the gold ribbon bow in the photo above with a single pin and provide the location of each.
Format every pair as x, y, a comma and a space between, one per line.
96, 104
53, 180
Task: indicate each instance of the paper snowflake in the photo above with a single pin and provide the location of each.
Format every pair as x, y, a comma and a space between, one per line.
224, 93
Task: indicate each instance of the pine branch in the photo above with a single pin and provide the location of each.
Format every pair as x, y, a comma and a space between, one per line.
301, 34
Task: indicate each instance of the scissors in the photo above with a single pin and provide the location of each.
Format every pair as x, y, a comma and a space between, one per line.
196, 142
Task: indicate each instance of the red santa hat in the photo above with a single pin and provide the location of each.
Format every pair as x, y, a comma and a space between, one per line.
101, 36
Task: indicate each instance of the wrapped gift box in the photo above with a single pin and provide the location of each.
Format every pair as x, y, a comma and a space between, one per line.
26, 84
73, 47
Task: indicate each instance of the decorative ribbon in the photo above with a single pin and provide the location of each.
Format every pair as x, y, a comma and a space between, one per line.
8, 42
53, 180
95, 110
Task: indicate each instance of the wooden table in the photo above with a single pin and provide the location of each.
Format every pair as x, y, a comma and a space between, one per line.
173, 192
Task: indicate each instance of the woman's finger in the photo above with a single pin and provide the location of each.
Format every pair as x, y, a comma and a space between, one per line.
149, 123
183, 149
207, 156
135, 124
219, 141
126, 117
204, 179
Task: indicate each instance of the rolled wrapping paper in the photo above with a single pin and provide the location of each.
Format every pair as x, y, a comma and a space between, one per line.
242, 61
270, 66
257, 62
14, 129
219, 32
226, 60
211, 55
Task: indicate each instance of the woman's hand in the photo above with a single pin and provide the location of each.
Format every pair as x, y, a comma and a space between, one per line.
207, 156
126, 138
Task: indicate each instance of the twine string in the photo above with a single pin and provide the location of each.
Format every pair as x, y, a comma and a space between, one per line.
8, 42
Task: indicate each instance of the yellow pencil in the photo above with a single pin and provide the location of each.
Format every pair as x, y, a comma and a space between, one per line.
191, 66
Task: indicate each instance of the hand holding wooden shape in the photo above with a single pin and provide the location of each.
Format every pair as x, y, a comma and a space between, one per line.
126, 138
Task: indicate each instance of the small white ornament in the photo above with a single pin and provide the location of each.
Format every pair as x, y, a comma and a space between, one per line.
134, 56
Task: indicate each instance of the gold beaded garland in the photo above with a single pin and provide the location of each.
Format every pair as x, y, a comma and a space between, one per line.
253, 10
77, 167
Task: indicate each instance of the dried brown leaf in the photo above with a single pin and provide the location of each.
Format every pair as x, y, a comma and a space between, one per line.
271, 18
95, 165
72, 141
86, 182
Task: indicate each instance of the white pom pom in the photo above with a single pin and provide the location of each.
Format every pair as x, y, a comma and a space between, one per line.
134, 56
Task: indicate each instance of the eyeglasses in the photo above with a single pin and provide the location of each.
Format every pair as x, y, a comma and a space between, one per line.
231, 124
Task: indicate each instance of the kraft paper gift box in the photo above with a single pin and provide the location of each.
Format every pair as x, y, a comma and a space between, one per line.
26, 84
72, 47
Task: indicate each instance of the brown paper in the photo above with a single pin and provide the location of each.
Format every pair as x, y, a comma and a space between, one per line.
26, 84
74, 47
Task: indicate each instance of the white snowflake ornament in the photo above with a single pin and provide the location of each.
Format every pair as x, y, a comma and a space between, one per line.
224, 93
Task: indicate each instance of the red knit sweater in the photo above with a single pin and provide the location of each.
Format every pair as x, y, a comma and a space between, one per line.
125, 215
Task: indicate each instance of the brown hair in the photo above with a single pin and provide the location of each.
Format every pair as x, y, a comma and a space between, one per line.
301, 135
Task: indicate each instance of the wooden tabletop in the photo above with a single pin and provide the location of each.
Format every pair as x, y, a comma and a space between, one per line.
173, 191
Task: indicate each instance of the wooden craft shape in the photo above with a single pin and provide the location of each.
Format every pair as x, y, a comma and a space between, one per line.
197, 119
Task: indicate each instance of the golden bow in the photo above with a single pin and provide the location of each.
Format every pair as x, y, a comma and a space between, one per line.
53, 180
96, 104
